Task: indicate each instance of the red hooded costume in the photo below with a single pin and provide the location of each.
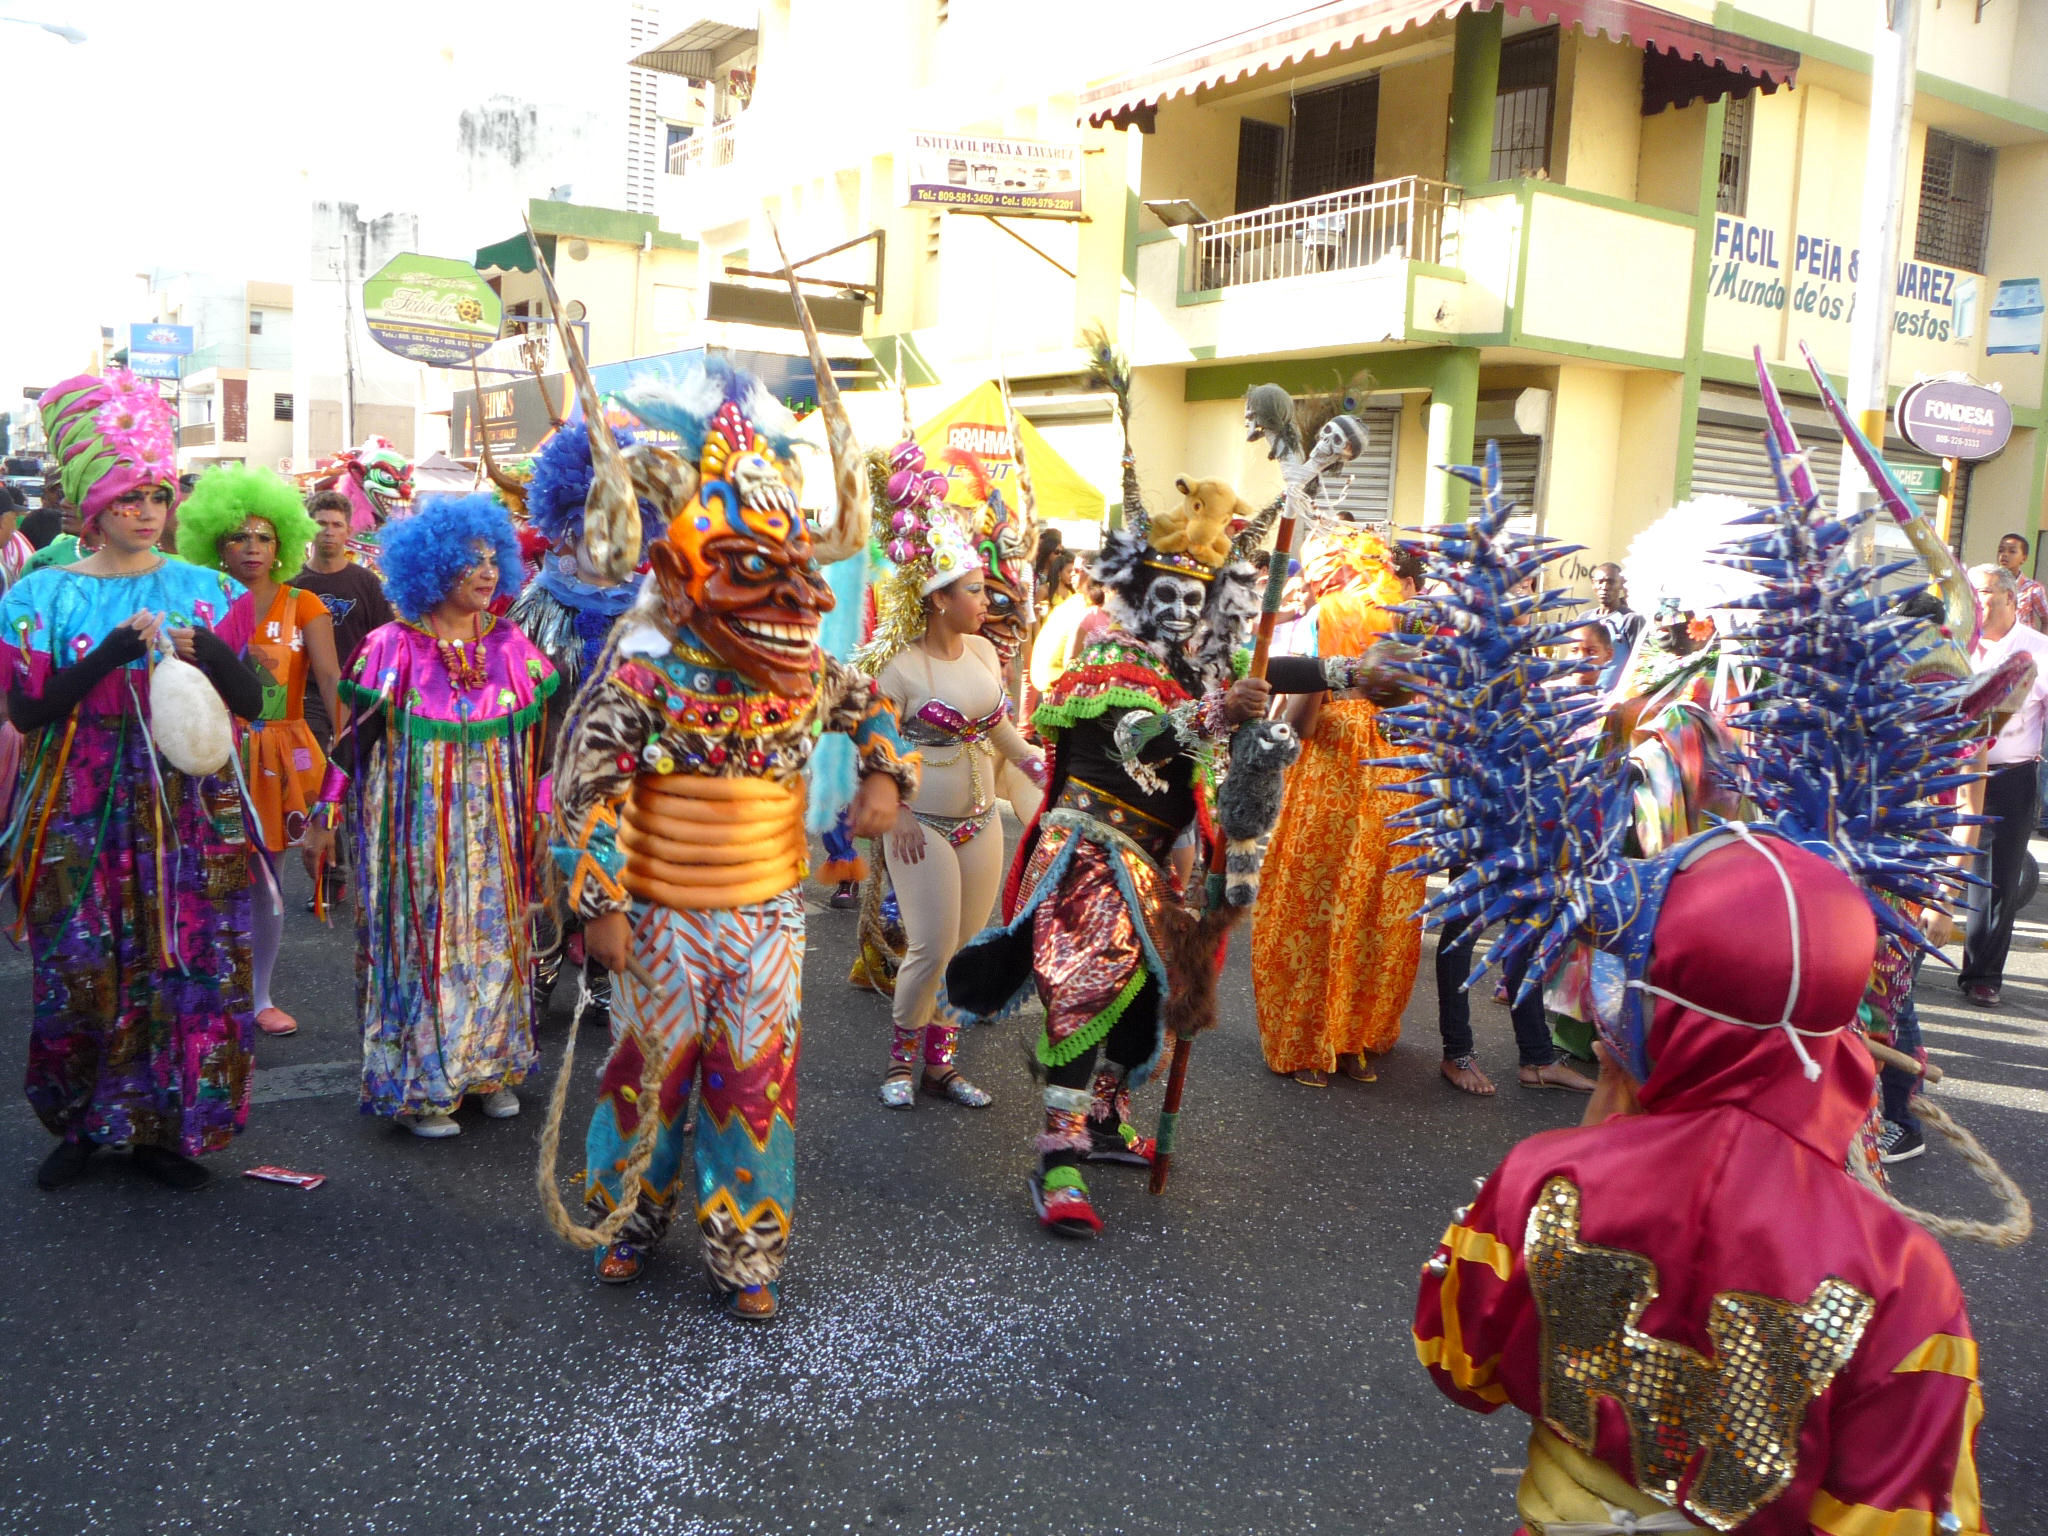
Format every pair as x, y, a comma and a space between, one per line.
1698, 1304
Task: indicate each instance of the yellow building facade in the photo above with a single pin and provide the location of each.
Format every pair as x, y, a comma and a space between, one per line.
1556, 225
1583, 271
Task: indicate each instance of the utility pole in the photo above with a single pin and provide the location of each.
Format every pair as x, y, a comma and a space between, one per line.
1892, 64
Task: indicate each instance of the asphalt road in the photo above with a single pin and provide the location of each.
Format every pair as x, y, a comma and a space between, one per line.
409, 1350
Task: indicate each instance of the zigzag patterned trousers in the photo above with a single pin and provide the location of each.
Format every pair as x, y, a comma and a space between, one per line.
725, 1014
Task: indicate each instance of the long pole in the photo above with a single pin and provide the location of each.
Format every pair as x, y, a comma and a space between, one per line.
1892, 65
1295, 472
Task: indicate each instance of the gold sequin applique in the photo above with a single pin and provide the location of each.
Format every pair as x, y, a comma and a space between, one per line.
1738, 1413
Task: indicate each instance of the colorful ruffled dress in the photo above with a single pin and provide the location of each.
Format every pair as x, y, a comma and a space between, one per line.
281, 759
131, 881
445, 816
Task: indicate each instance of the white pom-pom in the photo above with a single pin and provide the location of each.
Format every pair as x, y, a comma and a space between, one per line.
188, 719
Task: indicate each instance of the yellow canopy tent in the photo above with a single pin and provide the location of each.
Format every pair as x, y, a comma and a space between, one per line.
976, 423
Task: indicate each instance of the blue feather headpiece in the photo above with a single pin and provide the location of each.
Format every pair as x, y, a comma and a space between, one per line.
1520, 805
562, 475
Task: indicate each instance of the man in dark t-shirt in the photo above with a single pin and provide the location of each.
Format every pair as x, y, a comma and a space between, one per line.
354, 596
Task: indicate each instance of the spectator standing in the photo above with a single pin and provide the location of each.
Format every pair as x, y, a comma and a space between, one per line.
2013, 553
2012, 792
1623, 626
352, 593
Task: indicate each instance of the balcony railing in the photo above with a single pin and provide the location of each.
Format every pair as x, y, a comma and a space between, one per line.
1403, 220
703, 150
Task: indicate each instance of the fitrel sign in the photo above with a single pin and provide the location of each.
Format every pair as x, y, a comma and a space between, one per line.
1952, 419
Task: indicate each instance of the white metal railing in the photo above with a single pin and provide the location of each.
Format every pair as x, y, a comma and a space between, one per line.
703, 150
1404, 220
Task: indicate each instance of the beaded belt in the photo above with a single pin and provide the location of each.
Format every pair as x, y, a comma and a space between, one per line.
1147, 831
694, 843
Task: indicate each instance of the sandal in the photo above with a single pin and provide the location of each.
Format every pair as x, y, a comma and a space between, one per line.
1064, 1209
1312, 1077
1463, 1074
1553, 1075
1357, 1067
955, 1087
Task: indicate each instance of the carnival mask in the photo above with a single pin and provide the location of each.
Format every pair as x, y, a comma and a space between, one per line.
1003, 625
1172, 609
736, 567
383, 475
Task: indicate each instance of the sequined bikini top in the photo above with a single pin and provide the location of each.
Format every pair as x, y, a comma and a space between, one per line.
939, 724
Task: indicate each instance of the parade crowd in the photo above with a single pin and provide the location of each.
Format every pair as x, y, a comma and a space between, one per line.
584, 727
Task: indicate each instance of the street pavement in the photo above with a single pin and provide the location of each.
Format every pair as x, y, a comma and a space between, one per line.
409, 1350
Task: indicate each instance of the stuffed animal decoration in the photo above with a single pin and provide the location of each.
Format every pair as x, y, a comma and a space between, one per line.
1249, 802
1200, 525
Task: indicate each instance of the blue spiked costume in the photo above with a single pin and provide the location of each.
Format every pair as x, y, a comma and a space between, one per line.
1718, 1345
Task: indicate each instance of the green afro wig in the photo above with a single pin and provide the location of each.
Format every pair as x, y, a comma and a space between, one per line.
229, 496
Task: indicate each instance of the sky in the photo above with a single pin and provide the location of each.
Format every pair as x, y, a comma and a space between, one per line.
195, 133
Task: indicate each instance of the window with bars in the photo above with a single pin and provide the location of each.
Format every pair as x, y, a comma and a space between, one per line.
1731, 192
1955, 202
1261, 164
1523, 103
280, 407
1335, 138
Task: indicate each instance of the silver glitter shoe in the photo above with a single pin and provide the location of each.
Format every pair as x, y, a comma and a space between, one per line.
958, 1089
898, 1092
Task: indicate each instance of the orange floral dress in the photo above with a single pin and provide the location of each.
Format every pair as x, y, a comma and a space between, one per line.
1335, 943
281, 760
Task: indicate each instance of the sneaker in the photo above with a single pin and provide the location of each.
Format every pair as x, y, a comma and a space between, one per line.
430, 1127
65, 1164
845, 899
1898, 1144
275, 1021
502, 1105
1981, 995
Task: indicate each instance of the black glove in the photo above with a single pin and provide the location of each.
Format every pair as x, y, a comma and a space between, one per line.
66, 687
231, 678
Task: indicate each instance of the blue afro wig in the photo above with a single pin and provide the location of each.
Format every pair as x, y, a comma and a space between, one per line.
561, 481
424, 555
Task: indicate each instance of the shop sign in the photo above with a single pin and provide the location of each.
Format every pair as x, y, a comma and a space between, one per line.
1952, 419
972, 174
2015, 317
1814, 277
173, 339
431, 309
153, 365
1922, 480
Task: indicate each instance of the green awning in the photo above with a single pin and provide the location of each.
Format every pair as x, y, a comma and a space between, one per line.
513, 255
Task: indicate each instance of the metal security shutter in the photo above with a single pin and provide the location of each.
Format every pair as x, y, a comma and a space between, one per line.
1367, 494
1521, 460
1732, 461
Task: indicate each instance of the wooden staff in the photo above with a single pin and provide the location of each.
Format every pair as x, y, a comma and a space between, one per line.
1286, 447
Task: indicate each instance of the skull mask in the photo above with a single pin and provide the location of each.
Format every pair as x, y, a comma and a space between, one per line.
1171, 609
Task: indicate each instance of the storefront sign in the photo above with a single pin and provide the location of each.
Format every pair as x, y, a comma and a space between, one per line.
971, 174
1814, 277
1953, 419
1922, 480
176, 340
153, 365
431, 309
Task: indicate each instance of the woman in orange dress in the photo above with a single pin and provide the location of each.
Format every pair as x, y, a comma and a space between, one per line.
1335, 942
251, 524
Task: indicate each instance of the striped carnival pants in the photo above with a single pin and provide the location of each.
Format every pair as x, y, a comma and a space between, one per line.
724, 1015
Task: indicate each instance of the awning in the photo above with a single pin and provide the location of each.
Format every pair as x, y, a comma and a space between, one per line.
976, 422
698, 51
513, 255
1342, 24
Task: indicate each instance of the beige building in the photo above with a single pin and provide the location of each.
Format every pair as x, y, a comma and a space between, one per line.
1508, 223
237, 394
1562, 227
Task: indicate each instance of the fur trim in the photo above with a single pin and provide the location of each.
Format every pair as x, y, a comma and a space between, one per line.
1191, 948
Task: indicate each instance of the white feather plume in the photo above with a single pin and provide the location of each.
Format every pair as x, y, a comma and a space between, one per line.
1670, 559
